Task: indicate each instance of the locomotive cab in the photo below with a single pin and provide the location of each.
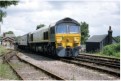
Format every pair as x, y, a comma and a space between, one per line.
67, 38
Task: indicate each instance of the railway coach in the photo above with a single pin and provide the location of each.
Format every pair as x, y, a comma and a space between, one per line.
60, 39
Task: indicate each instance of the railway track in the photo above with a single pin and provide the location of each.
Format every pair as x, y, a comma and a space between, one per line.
22, 71
105, 61
99, 57
15, 71
115, 72
108, 65
99, 61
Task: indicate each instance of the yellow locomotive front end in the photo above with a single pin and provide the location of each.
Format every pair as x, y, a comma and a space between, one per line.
67, 39
71, 40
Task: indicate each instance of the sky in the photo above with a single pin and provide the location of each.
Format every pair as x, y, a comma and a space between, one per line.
99, 14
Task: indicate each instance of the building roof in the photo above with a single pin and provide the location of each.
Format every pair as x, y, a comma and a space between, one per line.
97, 38
9, 35
114, 40
8, 38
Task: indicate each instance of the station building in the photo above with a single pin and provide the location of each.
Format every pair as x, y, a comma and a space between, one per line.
97, 42
8, 40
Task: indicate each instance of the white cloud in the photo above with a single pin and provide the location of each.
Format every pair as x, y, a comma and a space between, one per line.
24, 17
99, 15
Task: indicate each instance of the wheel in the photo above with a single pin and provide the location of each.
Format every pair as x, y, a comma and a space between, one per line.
45, 50
53, 50
49, 50
36, 48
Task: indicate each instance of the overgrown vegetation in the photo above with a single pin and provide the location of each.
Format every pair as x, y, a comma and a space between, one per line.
117, 38
6, 72
111, 50
2, 50
9, 32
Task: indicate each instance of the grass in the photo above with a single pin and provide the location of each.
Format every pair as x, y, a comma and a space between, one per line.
112, 51
3, 50
7, 73
103, 55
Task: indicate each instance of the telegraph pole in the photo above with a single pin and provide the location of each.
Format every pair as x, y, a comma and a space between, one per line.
0, 29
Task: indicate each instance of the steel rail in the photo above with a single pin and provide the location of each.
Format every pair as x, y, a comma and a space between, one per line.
47, 72
20, 77
99, 62
101, 57
113, 72
98, 58
15, 71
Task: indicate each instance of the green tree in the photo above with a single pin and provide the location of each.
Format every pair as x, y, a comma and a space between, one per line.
17, 38
9, 32
5, 4
117, 38
84, 32
0, 38
40, 26
2, 14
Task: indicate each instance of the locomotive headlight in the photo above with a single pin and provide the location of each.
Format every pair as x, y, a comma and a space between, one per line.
76, 44
59, 39
59, 44
76, 39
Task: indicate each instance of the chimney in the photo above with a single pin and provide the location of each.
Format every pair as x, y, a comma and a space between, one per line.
110, 35
3, 34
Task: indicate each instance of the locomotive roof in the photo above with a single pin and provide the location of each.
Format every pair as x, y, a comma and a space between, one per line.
65, 20
52, 24
43, 28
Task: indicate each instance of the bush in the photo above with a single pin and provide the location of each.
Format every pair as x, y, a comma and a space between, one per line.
112, 50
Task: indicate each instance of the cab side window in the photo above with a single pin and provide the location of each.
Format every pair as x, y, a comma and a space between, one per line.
52, 30
45, 35
31, 37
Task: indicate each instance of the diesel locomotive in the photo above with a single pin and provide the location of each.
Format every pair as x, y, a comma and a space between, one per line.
61, 39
